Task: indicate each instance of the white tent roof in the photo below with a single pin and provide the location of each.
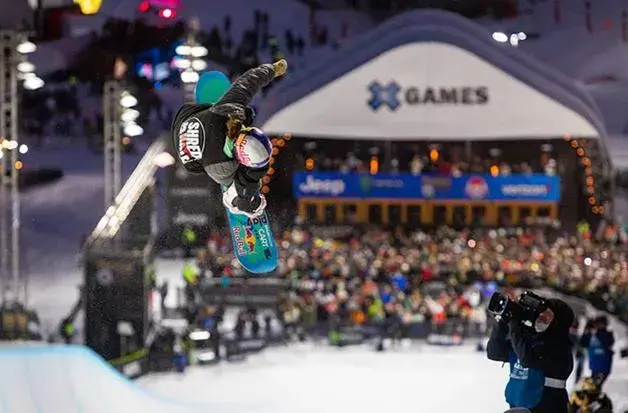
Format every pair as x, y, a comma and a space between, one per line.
450, 80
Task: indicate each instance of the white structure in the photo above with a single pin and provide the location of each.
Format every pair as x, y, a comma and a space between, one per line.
430, 75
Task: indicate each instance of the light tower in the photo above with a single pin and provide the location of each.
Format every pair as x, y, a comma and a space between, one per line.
14, 68
190, 61
119, 117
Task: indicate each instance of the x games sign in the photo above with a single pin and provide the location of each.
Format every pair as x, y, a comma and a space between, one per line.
392, 96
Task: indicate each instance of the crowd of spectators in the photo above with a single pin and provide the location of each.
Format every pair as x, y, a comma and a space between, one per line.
362, 275
453, 161
238, 58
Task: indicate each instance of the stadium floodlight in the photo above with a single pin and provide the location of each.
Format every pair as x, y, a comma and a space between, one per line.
198, 51
183, 50
129, 115
23, 148
24, 76
132, 129
500, 37
127, 100
514, 40
182, 63
33, 83
26, 47
198, 65
522, 36
25, 67
11, 145
189, 76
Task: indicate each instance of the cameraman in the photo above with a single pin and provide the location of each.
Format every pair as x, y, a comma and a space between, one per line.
540, 356
599, 340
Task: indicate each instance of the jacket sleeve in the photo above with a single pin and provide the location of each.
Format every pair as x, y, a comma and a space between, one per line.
241, 93
499, 347
531, 353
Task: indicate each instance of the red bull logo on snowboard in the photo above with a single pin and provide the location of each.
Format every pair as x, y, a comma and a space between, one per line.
237, 236
476, 188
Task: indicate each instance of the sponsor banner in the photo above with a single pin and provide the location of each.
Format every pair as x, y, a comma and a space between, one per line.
536, 187
445, 339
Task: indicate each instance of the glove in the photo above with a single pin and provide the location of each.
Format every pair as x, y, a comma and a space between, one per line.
280, 67
252, 207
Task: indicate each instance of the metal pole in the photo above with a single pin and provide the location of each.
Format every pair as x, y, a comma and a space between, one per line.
4, 239
15, 187
9, 132
116, 138
112, 140
106, 134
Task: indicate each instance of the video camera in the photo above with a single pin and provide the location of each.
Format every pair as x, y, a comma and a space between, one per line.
527, 308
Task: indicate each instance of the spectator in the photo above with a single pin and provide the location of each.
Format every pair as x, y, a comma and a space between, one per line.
598, 341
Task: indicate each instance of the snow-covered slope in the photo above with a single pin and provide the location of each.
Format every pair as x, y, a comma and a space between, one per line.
56, 379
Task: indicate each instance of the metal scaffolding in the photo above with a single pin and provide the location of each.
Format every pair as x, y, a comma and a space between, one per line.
190, 75
9, 179
112, 140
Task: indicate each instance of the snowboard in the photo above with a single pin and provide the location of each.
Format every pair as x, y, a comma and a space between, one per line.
252, 238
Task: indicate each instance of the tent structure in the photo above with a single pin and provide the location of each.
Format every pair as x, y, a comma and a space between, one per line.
430, 75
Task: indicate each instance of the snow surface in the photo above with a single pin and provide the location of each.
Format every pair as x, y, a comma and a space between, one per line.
56, 379
300, 378
442, 379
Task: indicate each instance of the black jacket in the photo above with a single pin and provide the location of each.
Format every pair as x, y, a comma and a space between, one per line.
213, 125
549, 352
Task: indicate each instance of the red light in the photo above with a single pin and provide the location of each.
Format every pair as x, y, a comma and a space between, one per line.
144, 6
167, 13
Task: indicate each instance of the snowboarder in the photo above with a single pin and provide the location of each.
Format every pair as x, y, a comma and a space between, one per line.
219, 140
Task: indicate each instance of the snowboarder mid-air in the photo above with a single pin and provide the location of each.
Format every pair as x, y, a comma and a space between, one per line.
219, 140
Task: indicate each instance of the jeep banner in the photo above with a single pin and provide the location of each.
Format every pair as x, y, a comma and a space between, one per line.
189, 197
537, 187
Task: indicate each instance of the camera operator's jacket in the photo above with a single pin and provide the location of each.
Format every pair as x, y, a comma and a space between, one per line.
599, 347
199, 132
540, 363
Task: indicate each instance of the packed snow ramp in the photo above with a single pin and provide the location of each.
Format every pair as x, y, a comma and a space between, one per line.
71, 379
